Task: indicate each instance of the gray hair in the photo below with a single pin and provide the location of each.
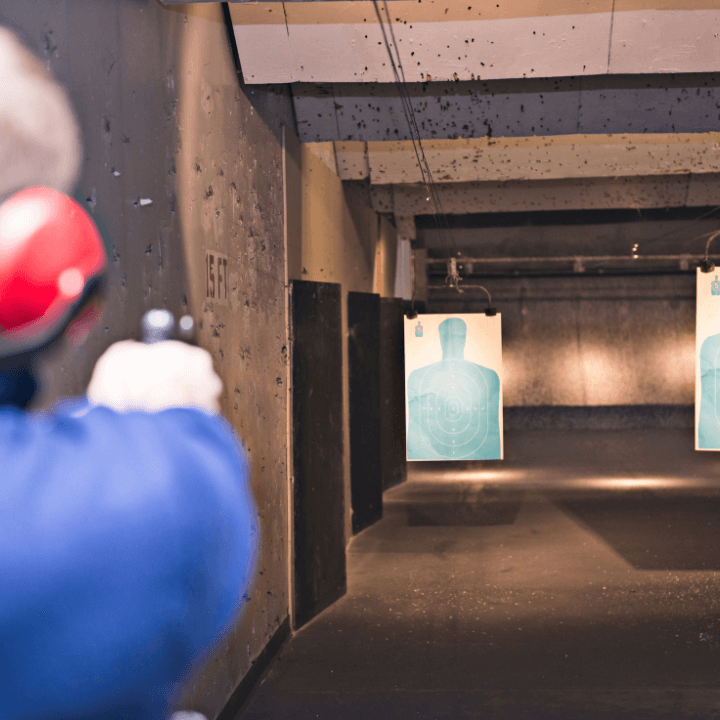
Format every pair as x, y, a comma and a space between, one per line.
39, 137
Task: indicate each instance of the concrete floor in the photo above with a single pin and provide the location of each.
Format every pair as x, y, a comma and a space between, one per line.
580, 578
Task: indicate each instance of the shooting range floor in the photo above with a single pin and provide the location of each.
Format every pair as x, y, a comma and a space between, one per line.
578, 579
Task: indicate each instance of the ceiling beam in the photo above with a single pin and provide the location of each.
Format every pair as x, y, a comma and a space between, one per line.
343, 41
509, 108
405, 227
577, 194
532, 158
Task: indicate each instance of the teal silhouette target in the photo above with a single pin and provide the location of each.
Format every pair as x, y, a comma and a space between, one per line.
709, 423
454, 404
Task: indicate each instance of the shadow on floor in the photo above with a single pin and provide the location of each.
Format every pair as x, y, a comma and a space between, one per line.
450, 514
654, 530
461, 504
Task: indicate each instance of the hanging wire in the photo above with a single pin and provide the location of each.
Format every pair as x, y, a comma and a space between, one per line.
490, 311
670, 233
432, 187
706, 266
706, 262
453, 277
409, 112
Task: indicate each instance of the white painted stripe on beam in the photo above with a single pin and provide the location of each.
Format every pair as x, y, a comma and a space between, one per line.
477, 49
643, 41
671, 41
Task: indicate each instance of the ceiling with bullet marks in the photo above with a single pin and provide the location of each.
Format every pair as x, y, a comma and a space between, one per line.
436, 40
523, 106
687, 103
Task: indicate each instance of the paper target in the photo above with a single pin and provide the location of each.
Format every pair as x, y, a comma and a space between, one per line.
708, 425
453, 403
716, 385
707, 361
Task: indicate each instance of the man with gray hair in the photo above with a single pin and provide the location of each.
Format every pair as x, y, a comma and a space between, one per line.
39, 138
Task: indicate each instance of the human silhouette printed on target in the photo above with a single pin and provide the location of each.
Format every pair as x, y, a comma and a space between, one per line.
454, 404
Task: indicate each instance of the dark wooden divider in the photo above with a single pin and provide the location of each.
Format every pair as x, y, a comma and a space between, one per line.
392, 393
365, 408
318, 495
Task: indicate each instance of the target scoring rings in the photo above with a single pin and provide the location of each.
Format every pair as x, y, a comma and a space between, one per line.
456, 412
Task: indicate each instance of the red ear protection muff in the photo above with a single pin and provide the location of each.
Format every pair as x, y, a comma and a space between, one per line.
50, 252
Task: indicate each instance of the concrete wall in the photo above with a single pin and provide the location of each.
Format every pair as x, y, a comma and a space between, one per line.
163, 118
230, 195
588, 341
340, 237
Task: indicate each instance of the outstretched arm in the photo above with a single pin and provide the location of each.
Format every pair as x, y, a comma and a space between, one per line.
127, 545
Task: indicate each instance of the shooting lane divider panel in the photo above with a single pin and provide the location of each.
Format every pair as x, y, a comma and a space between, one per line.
319, 558
707, 361
392, 392
363, 338
453, 387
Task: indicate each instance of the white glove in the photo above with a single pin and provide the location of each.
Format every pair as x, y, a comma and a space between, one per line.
136, 376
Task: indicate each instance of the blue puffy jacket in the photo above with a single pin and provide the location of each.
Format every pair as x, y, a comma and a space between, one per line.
127, 545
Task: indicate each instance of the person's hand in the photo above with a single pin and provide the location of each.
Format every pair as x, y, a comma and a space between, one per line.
136, 376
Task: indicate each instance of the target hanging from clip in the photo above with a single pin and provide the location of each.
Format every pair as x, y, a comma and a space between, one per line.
453, 387
453, 277
707, 354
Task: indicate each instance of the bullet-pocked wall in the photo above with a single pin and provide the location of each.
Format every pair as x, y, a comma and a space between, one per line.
230, 200
339, 239
117, 63
180, 163
579, 337
593, 341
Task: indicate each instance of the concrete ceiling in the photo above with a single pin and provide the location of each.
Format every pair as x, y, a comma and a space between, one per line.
657, 191
522, 106
529, 90
373, 112
343, 41
532, 158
